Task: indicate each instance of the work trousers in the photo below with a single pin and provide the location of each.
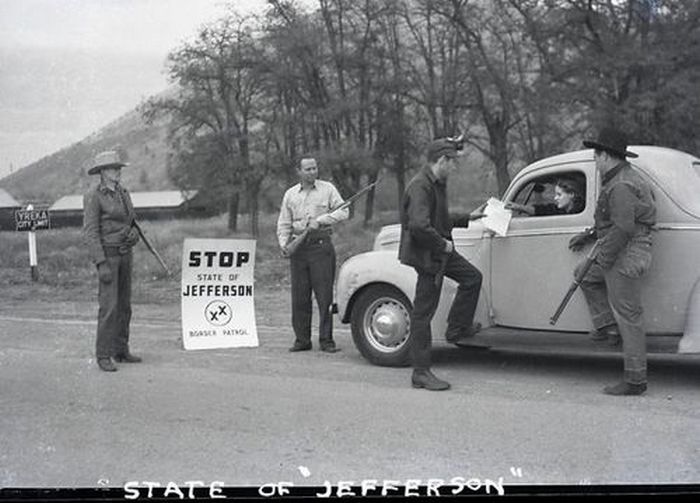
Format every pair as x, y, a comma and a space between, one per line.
313, 270
614, 296
115, 308
426, 301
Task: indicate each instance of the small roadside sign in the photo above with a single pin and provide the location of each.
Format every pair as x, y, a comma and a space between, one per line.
32, 219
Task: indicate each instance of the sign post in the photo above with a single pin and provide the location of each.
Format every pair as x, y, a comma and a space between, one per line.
32, 255
30, 220
218, 309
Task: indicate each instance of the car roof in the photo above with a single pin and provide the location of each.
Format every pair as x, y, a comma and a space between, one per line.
676, 173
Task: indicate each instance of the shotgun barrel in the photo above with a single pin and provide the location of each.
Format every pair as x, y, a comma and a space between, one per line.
578, 278
150, 247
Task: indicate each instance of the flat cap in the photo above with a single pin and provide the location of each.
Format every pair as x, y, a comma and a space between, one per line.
449, 147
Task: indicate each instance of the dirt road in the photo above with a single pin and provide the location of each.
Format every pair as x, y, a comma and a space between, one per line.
261, 415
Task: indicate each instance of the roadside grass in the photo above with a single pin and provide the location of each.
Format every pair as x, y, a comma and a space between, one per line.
66, 273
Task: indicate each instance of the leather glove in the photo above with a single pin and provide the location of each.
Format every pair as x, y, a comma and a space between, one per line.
577, 242
132, 238
104, 272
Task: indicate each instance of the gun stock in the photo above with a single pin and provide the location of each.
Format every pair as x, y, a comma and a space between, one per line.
150, 247
294, 243
576, 283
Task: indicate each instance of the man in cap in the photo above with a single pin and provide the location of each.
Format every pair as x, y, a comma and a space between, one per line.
624, 215
308, 210
426, 245
109, 236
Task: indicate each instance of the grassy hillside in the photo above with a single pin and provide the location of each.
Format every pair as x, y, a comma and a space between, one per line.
65, 172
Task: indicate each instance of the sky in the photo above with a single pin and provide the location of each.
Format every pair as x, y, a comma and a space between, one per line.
70, 67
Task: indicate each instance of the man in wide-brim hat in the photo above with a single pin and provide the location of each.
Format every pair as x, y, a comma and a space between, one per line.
624, 215
110, 236
105, 161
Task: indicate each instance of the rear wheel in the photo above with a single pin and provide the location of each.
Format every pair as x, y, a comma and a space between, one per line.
381, 323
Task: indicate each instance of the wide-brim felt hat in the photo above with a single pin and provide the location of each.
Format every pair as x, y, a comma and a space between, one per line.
611, 140
104, 160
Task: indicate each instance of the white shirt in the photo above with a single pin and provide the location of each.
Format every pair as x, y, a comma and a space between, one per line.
299, 206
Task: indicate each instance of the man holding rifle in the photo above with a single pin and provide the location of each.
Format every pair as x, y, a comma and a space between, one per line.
624, 215
426, 245
110, 236
304, 231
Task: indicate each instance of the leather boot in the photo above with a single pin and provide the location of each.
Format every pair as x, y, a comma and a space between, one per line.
614, 341
127, 358
625, 388
426, 379
300, 347
461, 335
604, 334
106, 364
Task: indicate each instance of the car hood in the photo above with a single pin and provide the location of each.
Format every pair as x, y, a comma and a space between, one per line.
389, 236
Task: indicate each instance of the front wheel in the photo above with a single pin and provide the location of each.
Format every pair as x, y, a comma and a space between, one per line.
381, 322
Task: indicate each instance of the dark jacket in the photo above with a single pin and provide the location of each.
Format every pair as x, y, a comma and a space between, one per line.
107, 218
625, 210
426, 225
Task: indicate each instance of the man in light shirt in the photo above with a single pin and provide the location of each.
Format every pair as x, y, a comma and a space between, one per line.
307, 208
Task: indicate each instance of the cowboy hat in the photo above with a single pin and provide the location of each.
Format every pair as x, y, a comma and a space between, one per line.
107, 159
611, 140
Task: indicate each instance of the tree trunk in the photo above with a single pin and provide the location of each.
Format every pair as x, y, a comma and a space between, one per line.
254, 207
233, 210
369, 202
499, 156
400, 185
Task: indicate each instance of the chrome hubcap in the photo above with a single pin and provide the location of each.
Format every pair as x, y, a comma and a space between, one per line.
386, 324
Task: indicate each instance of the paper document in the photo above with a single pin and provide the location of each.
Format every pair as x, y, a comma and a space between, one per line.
497, 216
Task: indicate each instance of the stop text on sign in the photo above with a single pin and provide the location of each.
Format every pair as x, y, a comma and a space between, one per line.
218, 259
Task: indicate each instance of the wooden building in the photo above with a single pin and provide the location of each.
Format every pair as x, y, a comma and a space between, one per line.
162, 205
8, 205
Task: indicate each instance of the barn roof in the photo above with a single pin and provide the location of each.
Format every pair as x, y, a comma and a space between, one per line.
6, 200
159, 199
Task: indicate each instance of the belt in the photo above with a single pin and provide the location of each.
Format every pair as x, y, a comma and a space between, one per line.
316, 234
115, 251
316, 240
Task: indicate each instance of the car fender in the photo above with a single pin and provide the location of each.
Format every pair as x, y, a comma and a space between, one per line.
372, 267
690, 342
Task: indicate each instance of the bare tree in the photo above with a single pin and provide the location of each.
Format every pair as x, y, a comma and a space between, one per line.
631, 63
217, 77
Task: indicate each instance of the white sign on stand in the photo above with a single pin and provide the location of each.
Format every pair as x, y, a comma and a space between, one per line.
218, 308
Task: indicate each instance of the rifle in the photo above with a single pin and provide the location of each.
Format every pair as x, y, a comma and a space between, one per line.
155, 253
294, 244
577, 281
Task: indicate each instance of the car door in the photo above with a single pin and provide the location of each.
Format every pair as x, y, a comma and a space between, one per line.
531, 266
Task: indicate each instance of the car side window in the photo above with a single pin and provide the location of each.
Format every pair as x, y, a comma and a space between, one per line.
560, 194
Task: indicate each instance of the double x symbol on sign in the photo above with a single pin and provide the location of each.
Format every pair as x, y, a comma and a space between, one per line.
215, 315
